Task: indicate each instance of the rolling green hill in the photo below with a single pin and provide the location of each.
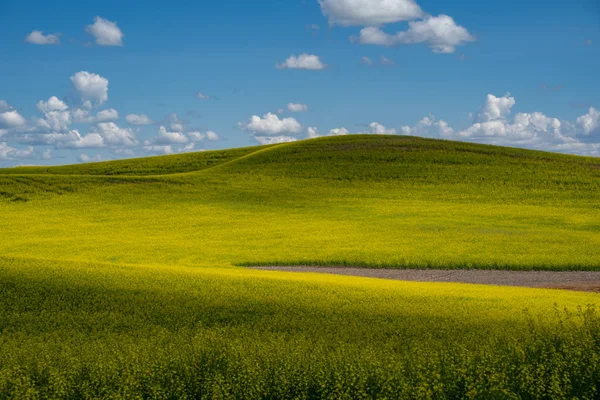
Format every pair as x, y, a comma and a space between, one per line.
358, 200
125, 279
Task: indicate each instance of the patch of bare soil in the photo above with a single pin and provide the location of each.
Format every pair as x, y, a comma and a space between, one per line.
586, 281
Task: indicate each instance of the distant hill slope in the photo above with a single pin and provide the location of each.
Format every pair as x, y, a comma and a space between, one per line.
364, 157
158, 165
412, 159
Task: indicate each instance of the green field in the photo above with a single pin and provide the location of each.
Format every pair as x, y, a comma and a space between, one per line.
126, 279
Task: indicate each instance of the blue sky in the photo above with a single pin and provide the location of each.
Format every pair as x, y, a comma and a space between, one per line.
77, 78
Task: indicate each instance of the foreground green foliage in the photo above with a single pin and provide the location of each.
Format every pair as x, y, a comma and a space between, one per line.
74, 330
119, 280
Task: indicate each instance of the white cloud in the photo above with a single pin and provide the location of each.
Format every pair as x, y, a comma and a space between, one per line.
495, 108
369, 12
91, 87
53, 104
379, 129
429, 127
303, 61
529, 130
202, 96
141, 119
441, 33
167, 137
156, 149
312, 132
294, 107
107, 115
11, 119
73, 140
47, 154
105, 32
83, 116
210, 135
199, 136
274, 139
196, 136
85, 158
271, 125
11, 153
37, 37
113, 135
338, 132
366, 61
57, 116
589, 122
187, 148
175, 123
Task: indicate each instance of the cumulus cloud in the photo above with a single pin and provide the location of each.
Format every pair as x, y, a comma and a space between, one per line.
429, 127
91, 87
210, 135
11, 119
274, 139
495, 108
303, 61
378, 129
141, 119
524, 127
590, 122
11, 153
85, 158
312, 132
37, 37
83, 116
71, 140
440, 33
57, 116
271, 125
294, 107
175, 124
533, 130
113, 135
167, 137
107, 115
53, 104
159, 149
369, 12
338, 132
105, 32
202, 96
196, 136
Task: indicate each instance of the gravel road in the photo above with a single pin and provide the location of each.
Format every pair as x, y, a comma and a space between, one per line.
588, 281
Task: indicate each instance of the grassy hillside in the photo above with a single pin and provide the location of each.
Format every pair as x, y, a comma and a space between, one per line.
119, 279
359, 200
